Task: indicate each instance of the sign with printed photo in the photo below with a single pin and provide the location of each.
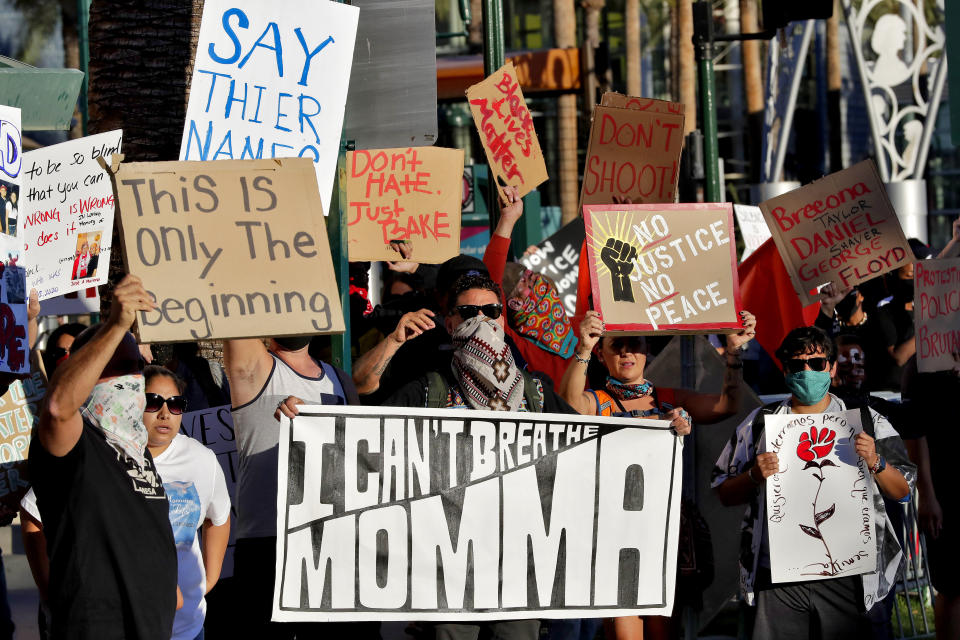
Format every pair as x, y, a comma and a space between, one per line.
633, 154
66, 218
936, 312
662, 267
232, 249
270, 80
506, 130
404, 196
11, 166
420, 514
840, 229
819, 505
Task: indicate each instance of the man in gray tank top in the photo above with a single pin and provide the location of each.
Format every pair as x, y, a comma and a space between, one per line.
266, 385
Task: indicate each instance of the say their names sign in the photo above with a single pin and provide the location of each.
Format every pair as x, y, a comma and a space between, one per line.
270, 80
633, 153
419, 514
66, 215
229, 249
410, 196
506, 130
936, 308
662, 267
840, 229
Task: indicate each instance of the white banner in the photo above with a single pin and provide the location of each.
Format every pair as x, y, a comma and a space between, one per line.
530, 515
270, 80
820, 503
66, 220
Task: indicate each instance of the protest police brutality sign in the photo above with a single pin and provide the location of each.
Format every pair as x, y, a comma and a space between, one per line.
270, 80
419, 514
936, 311
663, 267
229, 249
840, 229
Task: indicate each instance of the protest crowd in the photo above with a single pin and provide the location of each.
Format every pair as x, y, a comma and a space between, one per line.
198, 467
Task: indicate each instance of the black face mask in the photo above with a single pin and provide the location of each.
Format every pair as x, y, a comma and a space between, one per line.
293, 343
903, 290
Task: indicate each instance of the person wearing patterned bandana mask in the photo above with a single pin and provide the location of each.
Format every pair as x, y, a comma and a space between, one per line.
481, 374
113, 563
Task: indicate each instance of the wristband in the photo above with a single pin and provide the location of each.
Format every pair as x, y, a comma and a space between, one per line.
581, 360
879, 465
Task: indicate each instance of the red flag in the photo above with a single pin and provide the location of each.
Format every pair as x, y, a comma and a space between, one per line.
767, 292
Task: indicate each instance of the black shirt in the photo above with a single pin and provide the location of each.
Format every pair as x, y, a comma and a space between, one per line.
113, 563
894, 327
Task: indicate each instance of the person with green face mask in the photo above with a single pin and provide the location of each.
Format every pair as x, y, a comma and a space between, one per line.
831, 607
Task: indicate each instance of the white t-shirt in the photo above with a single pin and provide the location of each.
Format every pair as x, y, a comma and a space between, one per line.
196, 491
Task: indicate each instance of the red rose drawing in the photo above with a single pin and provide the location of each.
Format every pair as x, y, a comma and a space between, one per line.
815, 445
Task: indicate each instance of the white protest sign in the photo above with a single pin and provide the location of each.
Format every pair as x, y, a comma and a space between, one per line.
753, 228
72, 304
11, 165
820, 503
213, 428
66, 216
395, 500
270, 80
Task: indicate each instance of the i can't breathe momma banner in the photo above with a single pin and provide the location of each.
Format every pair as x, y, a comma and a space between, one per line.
418, 514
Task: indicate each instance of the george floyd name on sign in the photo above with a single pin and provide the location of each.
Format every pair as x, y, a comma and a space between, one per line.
419, 514
558, 257
270, 80
663, 267
840, 229
229, 249
936, 312
66, 215
634, 151
506, 130
410, 196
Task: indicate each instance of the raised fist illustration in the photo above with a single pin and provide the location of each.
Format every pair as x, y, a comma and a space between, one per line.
618, 256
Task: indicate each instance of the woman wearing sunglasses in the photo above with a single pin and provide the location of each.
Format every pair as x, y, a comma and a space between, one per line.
197, 493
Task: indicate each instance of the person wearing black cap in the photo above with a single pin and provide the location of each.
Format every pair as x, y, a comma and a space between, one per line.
113, 563
266, 385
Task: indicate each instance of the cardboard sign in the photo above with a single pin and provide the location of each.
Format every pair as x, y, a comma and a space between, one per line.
634, 154
819, 506
11, 165
661, 267
840, 229
213, 428
270, 81
409, 196
66, 218
753, 228
419, 514
558, 257
936, 308
506, 131
229, 249
621, 101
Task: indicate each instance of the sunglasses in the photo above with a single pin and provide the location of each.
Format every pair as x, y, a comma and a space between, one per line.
467, 311
796, 365
176, 404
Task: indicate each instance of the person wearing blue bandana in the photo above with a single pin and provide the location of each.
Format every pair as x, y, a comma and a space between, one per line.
832, 607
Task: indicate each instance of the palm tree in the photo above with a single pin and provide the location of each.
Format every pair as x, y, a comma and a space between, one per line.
632, 38
753, 84
565, 32
685, 63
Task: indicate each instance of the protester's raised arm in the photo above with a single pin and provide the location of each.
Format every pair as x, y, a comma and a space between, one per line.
952, 250
574, 380
248, 364
369, 368
60, 423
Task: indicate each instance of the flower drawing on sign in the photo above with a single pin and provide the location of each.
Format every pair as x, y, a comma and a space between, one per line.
813, 449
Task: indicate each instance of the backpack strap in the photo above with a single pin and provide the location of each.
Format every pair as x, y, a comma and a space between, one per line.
866, 420
437, 390
759, 420
532, 393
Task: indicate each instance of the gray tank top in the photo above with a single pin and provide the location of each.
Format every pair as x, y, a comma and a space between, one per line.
258, 439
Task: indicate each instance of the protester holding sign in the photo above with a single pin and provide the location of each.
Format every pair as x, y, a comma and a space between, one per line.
266, 385
838, 604
103, 505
